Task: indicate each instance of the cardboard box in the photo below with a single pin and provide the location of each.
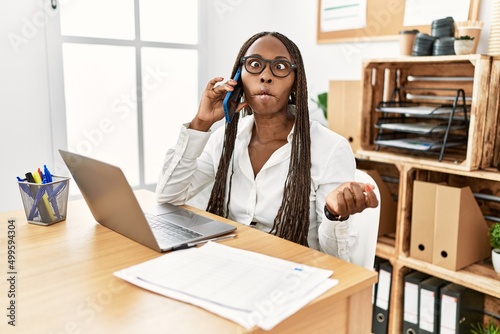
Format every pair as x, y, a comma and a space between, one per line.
388, 206
448, 227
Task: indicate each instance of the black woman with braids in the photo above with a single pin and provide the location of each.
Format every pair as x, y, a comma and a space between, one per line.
270, 167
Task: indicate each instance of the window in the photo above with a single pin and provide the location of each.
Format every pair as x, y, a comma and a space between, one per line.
130, 78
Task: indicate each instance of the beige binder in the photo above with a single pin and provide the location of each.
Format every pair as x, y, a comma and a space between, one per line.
344, 110
460, 231
422, 220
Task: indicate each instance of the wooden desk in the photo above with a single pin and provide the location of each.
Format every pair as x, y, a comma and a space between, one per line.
65, 283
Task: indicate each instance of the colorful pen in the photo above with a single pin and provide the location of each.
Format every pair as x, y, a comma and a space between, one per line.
45, 199
24, 186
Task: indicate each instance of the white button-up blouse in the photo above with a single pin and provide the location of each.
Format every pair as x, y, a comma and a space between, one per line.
189, 169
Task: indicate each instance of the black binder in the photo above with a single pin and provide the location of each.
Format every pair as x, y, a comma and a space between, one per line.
411, 301
460, 307
382, 300
429, 308
376, 267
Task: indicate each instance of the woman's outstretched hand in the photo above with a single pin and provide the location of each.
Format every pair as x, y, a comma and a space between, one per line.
350, 198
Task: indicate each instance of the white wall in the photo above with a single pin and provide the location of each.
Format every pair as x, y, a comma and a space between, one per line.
25, 137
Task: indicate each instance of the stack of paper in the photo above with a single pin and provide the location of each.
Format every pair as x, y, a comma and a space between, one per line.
248, 288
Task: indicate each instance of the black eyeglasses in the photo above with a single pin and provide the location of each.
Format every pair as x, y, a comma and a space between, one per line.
280, 68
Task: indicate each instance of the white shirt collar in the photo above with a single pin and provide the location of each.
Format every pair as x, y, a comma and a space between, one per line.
246, 126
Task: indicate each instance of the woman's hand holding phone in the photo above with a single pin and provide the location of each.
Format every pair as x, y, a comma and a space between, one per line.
211, 107
232, 100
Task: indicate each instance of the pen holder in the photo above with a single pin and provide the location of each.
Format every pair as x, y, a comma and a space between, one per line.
45, 204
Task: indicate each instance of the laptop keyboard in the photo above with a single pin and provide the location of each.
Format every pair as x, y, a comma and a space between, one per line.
167, 232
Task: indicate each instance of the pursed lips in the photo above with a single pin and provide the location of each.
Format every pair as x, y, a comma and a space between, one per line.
264, 95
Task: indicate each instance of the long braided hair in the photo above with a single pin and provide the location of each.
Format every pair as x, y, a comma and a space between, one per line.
292, 219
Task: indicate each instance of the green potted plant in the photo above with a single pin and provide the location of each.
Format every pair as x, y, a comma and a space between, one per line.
465, 38
321, 101
463, 45
479, 328
494, 236
320, 114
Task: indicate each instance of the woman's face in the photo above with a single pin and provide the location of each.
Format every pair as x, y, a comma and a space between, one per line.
265, 92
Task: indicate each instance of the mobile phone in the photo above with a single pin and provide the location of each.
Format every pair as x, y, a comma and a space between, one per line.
233, 98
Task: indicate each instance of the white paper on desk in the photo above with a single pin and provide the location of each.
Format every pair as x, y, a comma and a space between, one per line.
249, 288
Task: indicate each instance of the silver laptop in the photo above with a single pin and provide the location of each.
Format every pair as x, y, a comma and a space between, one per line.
114, 205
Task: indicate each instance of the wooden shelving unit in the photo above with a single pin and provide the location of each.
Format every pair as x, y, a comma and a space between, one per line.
471, 73
475, 167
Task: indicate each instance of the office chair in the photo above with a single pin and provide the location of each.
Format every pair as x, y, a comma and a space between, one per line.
366, 223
